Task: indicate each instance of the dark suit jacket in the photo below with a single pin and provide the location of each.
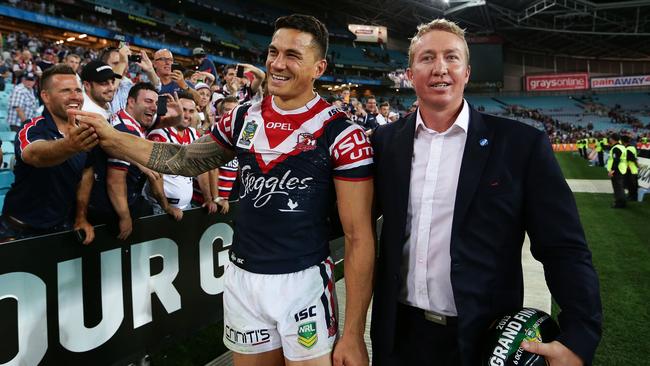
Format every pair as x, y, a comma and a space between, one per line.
510, 186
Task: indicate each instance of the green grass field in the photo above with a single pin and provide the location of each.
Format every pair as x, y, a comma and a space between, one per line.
620, 243
575, 167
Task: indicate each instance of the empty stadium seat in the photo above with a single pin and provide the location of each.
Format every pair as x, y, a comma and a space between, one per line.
6, 180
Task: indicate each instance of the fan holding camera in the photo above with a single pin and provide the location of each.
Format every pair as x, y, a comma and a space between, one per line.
171, 74
242, 81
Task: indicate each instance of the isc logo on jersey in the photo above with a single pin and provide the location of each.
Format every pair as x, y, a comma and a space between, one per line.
352, 148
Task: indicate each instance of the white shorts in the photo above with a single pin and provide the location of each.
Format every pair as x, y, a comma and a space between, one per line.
295, 311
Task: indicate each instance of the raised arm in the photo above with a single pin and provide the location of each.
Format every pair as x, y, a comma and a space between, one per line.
187, 160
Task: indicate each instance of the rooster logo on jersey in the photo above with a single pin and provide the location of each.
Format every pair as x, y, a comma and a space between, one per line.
306, 142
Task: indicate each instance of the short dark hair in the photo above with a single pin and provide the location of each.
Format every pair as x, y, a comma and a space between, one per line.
184, 95
370, 97
135, 89
106, 54
228, 99
615, 136
625, 139
384, 104
307, 24
58, 69
228, 67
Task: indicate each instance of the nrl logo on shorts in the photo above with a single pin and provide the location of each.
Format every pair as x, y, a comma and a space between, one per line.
306, 142
307, 335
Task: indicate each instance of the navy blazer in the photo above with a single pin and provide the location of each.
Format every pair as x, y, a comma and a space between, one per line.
508, 186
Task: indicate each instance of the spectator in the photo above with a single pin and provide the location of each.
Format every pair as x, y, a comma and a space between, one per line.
173, 193
73, 60
172, 81
118, 60
48, 59
116, 194
22, 103
203, 62
51, 160
24, 65
206, 114
384, 109
4, 73
369, 122
242, 88
99, 88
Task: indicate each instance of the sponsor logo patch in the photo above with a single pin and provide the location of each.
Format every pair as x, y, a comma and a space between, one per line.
307, 335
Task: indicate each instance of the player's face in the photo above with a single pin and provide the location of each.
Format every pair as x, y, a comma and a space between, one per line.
439, 71
63, 93
189, 109
102, 92
145, 107
293, 63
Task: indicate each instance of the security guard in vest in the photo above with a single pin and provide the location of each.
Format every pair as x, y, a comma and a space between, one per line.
599, 142
616, 169
580, 146
632, 176
644, 140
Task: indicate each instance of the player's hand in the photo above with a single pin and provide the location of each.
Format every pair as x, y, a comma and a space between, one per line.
556, 353
87, 228
126, 226
350, 351
175, 212
210, 206
98, 124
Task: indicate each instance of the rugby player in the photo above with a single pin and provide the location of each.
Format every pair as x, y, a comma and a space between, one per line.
296, 153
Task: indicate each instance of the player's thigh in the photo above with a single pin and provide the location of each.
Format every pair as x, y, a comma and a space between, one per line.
324, 360
270, 358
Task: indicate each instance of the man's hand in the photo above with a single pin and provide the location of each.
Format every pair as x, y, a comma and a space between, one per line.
610, 173
174, 114
126, 226
350, 351
80, 137
87, 228
175, 212
224, 204
556, 353
146, 65
124, 52
210, 206
177, 76
97, 124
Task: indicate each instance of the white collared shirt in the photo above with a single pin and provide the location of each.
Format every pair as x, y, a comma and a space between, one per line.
426, 258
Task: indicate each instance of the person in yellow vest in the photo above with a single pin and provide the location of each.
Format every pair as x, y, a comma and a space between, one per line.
632, 176
616, 169
605, 143
644, 140
600, 142
580, 145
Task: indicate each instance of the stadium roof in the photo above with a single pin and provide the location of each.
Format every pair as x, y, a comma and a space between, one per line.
596, 28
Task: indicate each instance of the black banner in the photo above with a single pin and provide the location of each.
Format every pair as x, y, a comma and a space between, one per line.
62, 303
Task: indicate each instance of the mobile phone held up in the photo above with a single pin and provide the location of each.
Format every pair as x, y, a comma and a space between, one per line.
240, 71
135, 58
162, 105
177, 66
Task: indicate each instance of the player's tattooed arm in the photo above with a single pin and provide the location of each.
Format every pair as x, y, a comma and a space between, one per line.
188, 160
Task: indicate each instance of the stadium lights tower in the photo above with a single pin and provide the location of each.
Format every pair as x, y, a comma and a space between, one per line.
462, 4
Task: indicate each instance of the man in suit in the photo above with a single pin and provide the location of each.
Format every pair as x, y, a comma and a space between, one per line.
458, 190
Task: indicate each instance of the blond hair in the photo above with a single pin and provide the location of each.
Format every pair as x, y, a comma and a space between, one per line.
439, 24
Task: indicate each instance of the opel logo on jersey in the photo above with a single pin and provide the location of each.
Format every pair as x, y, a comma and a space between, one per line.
284, 126
261, 189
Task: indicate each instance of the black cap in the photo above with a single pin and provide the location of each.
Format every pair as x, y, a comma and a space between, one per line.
98, 71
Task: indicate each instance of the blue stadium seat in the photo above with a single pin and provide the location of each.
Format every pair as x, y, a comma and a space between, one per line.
8, 147
7, 136
4, 126
6, 180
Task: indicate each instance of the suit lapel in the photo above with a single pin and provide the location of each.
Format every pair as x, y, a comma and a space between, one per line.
401, 155
477, 150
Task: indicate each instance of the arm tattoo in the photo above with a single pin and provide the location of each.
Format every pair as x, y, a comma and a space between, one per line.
188, 160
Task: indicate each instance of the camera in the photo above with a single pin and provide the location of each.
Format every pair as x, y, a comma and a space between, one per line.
135, 58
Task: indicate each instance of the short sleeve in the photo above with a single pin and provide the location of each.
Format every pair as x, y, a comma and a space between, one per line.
32, 131
157, 135
223, 130
351, 153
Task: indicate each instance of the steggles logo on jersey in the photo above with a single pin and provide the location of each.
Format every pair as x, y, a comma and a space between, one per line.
307, 335
306, 142
263, 188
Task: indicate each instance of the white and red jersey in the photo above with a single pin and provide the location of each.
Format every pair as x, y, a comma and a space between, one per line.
227, 178
287, 163
178, 189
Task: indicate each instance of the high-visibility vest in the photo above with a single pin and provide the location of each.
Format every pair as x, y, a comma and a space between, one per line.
599, 145
644, 140
631, 150
605, 142
622, 164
